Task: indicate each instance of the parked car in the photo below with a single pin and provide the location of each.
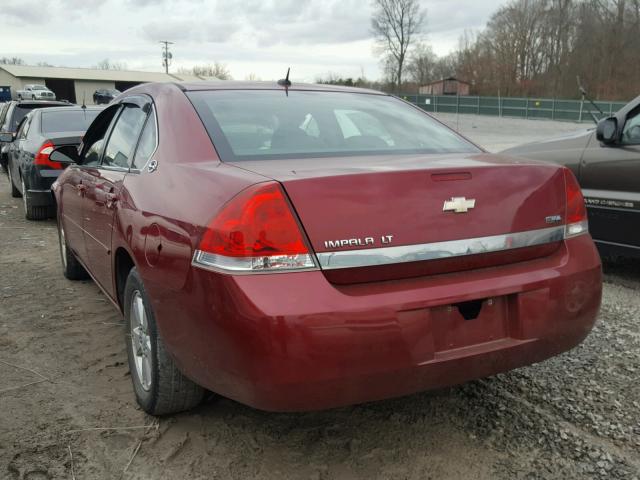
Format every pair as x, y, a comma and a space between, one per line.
11, 116
5, 94
35, 92
105, 95
606, 162
257, 250
30, 171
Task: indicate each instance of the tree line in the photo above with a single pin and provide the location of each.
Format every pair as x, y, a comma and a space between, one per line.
540, 47
527, 48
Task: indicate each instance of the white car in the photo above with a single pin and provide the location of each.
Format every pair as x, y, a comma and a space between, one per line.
35, 92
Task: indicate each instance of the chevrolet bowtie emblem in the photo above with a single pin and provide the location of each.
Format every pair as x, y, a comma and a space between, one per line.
459, 205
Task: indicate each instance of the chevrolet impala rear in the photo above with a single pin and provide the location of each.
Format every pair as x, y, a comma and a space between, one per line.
310, 247
381, 255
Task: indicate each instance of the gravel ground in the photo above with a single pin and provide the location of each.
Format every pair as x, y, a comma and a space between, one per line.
67, 411
499, 133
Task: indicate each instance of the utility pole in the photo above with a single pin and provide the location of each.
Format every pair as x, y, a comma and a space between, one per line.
166, 55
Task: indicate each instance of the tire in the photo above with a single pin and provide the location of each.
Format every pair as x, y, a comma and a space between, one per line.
34, 212
15, 193
19, 97
33, 97
160, 388
71, 267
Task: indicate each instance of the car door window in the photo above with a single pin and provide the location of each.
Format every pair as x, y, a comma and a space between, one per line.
23, 129
93, 142
147, 144
3, 114
124, 136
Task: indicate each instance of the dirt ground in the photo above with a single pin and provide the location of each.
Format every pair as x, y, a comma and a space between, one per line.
67, 410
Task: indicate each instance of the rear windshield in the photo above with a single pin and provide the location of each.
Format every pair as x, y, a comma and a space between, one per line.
67, 121
267, 124
20, 111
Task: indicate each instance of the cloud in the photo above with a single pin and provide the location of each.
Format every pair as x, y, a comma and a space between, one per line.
189, 30
252, 36
25, 12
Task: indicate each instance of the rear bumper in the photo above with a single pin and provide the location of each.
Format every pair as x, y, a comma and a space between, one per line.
295, 342
39, 183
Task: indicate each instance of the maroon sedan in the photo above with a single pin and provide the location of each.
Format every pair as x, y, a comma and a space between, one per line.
308, 247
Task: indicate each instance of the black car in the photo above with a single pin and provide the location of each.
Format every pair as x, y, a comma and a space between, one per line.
105, 95
30, 171
606, 161
12, 114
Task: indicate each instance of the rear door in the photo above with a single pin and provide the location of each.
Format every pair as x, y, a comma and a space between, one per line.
610, 179
103, 185
78, 177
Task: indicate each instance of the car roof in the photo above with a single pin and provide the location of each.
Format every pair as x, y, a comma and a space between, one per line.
73, 108
41, 102
239, 85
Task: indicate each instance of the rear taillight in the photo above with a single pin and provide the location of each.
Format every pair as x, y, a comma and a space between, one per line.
576, 214
42, 157
255, 232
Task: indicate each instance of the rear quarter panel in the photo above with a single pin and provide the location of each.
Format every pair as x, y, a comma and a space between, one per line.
162, 214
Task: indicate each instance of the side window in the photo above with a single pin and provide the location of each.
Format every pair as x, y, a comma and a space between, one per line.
23, 128
631, 132
124, 136
93, 142
3, 113
147, 144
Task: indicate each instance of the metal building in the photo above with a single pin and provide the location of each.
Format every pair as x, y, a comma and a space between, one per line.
446, 86
78, 84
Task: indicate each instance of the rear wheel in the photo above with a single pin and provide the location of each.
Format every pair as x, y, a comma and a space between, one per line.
71, 267
159, 386
15, 193
34, 212
33, 97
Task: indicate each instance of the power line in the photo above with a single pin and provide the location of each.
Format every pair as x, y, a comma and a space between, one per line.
166, 55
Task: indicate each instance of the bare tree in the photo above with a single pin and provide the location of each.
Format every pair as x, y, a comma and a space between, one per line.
11, 61
395, 23
216, 70
422, 64
106, 64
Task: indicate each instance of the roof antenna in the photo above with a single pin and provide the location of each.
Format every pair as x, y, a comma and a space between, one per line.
285, 82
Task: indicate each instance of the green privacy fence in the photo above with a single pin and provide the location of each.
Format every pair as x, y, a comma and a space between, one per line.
543, 108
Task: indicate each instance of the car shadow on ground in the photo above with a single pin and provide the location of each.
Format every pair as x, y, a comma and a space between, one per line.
623, 271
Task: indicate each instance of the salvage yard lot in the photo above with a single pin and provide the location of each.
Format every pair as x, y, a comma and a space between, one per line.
67, 410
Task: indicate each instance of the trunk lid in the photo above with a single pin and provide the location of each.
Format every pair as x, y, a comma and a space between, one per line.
360, 203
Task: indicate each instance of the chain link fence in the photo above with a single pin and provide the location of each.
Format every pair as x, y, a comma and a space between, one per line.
542, 108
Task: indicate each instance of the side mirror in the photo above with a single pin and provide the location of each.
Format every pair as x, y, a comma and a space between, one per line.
7, 137
66, 155
607, 131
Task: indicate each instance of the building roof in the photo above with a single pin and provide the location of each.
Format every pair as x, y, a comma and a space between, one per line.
95, 74
452, 79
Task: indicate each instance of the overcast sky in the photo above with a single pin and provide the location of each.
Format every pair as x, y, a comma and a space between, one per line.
262, 37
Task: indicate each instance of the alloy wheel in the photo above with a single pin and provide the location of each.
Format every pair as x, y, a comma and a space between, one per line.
140, 340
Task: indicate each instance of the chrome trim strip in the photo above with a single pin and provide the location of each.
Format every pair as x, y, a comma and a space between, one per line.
438, 250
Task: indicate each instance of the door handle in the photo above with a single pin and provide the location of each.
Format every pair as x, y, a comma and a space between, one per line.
112, 199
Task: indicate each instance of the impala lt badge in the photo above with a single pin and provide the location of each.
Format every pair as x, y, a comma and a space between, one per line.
459, 205
358, 242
